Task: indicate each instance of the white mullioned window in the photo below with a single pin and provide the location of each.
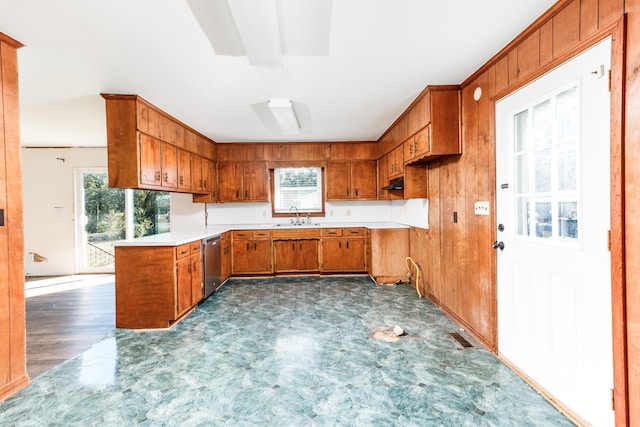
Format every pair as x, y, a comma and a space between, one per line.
299, 187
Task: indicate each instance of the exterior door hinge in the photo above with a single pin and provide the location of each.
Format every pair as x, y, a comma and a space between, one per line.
609, 240
613, 401
609, 80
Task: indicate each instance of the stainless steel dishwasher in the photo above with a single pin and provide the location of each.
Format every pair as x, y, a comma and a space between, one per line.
211, 261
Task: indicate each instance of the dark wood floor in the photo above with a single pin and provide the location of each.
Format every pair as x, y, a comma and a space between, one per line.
62, 324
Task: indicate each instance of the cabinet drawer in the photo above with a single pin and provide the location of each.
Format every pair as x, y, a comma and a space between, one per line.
332, 232
241, 234
296, 234
183, 251
261, 234
195, 247
353, 232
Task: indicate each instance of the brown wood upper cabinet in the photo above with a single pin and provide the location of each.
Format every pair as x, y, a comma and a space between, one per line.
439, 111
351, 180
205, 186
242, 182
148, 149
395, 162
185, 172
158, 165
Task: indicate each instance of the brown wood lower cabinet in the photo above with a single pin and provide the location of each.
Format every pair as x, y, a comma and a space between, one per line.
296, 256
156, 285
225, 263
389, 250
296, 250
343, 250
252, 252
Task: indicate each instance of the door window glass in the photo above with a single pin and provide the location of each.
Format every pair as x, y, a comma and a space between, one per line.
545, 162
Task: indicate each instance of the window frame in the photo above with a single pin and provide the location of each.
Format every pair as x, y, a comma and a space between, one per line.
292, 214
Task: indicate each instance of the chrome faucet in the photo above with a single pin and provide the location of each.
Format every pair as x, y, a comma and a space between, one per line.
297, 215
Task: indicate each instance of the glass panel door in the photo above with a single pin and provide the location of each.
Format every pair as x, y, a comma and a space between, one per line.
100, 220
105, 215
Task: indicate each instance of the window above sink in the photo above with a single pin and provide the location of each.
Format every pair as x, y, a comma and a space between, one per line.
297, 192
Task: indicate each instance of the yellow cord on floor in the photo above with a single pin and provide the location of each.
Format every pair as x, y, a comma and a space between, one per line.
406, 260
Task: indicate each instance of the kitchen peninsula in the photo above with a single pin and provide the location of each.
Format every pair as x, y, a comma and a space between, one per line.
159, 278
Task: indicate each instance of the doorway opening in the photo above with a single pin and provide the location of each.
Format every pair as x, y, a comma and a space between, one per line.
105, 215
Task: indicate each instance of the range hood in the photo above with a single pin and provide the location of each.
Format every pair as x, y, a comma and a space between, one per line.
395, 184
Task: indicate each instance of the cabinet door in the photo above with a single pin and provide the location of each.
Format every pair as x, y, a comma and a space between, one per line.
396, 161
399, 160
409, 149
353, 254
332, 257
169, 166
225, 267
364, 176
184, 169
213, 180
261, 257
196, 279
252, 256
229, 182
383, 177
338, 180
255, 182
183, 286
307, 255
207, 175
285, 255
197, 184
150, 161
422, 142
242, 256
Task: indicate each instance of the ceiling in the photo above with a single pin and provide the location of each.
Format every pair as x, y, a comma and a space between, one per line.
378, 57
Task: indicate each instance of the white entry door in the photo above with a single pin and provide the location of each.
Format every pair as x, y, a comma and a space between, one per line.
553, 218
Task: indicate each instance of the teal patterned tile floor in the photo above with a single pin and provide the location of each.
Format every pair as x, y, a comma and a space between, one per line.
295, 351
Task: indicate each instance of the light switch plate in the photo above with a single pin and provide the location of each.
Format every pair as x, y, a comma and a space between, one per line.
481, 208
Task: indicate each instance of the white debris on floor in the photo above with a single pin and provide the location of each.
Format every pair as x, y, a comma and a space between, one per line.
394, 333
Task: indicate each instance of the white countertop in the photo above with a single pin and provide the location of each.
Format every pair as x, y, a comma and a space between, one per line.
176, 238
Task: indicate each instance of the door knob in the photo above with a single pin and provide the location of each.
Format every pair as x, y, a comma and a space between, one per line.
498, 245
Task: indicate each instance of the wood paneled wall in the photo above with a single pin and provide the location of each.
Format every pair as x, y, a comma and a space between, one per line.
13, 375
293, 152
457, 258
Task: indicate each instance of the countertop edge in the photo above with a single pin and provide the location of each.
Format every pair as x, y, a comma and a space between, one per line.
176, 238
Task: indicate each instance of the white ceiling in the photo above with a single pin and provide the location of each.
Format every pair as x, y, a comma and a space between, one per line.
382, 53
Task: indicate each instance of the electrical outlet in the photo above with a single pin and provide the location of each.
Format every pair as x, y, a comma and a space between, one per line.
481, 208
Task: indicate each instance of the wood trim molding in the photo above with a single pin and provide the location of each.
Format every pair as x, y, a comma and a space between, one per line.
618, 273
14, 386
10, 41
